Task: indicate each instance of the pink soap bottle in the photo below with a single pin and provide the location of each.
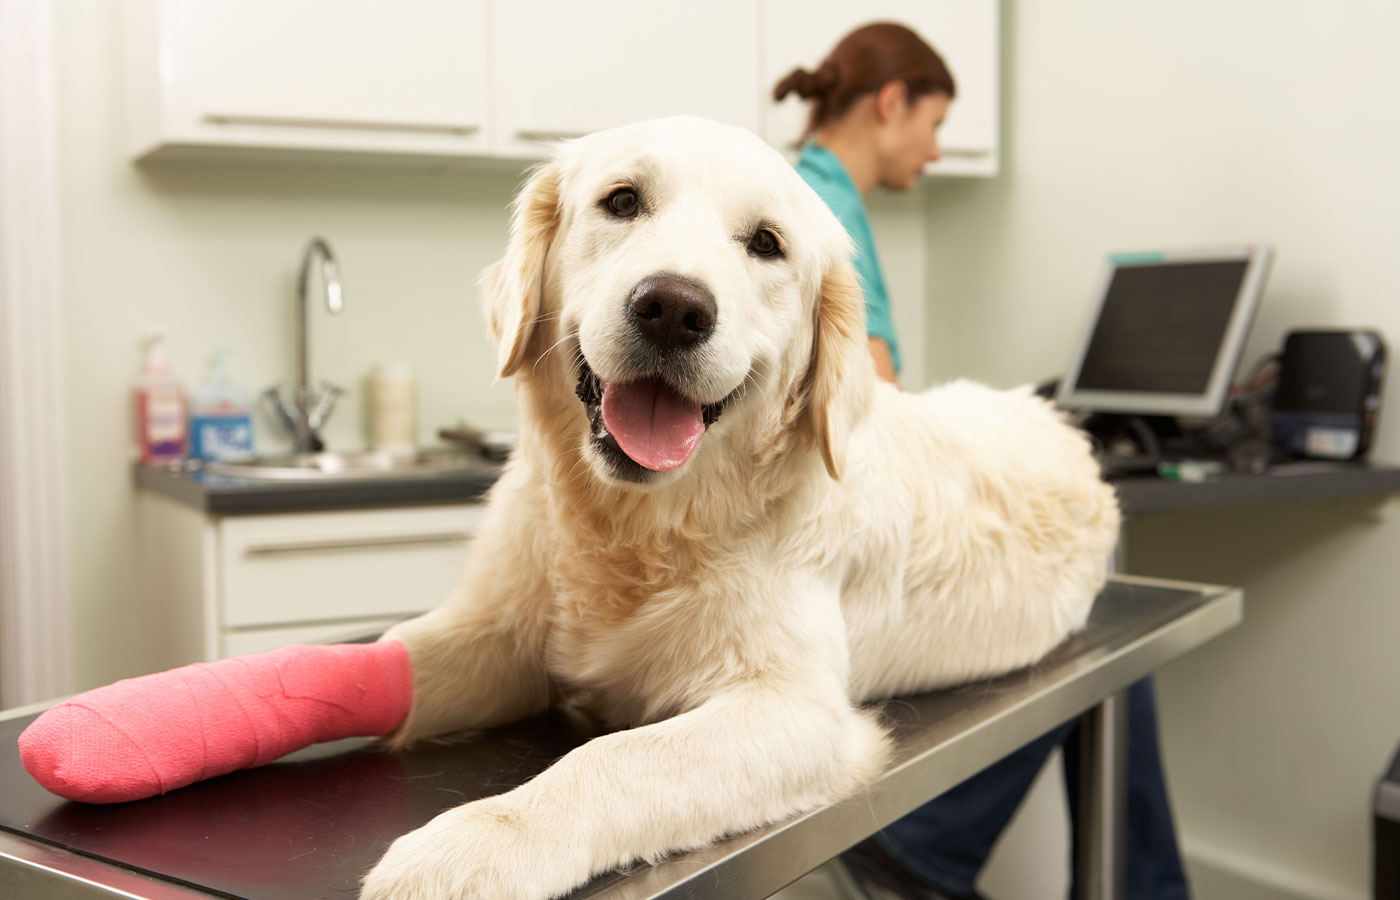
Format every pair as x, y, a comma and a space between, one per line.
162, 424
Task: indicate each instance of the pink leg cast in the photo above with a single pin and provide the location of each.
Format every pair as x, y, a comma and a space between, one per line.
153, 734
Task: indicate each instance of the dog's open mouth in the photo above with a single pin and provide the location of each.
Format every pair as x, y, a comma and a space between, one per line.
645, 421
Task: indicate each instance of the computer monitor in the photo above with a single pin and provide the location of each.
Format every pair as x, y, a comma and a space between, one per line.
1166, 332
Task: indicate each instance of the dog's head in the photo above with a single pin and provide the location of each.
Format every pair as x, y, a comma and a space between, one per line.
685, 282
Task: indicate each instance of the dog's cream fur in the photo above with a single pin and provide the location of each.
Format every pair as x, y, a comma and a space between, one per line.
831, 539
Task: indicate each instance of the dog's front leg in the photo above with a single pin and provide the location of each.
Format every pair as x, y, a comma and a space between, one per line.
745, 758
478, 659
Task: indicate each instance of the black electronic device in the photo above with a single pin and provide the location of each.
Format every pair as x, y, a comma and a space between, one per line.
1166, 332
1329, 393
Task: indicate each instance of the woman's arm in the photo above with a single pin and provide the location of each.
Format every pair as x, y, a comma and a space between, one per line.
884, 361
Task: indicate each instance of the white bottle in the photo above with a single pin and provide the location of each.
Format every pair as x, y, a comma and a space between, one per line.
393, 408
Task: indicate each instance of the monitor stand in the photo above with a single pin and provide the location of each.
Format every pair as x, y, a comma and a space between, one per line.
1127, 443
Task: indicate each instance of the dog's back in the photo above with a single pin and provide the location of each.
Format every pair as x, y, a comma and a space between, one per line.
983, 534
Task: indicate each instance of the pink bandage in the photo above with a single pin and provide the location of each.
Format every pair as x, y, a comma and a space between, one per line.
153, 734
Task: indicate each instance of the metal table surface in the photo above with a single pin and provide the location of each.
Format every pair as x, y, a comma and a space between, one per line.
310, 825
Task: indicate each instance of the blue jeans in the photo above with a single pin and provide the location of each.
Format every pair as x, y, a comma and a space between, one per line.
945, 842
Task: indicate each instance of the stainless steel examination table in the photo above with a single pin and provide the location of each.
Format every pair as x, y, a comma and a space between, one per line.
311, 825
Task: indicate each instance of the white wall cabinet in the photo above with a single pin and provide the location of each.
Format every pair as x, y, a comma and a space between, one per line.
965, 33
229, 585
491, 79
355, 75
566, 69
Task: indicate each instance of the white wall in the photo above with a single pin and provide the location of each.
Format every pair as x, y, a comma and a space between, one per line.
211, 250
1133, 126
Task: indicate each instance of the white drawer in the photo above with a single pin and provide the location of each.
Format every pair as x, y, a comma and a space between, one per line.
329, 566
258, 640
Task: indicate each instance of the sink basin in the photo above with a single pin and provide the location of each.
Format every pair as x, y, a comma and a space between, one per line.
365, 465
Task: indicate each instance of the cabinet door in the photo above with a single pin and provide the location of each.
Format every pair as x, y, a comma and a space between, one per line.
355, 74
964, 32
566, 68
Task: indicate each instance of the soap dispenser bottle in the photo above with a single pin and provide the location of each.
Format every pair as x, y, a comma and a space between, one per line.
161, 427
221, 424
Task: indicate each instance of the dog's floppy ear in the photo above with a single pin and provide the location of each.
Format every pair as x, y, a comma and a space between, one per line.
842, 373
513, 287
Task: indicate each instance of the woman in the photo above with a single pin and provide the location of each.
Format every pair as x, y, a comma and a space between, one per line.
877, 101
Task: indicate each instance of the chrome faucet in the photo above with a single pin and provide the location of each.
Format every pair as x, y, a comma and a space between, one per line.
304, 415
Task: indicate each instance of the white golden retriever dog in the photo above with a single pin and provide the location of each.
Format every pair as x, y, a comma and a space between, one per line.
720, 532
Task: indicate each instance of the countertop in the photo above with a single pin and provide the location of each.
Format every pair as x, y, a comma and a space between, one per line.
223, 495
1282, 483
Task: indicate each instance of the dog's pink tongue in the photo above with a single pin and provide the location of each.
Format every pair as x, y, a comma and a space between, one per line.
654, 425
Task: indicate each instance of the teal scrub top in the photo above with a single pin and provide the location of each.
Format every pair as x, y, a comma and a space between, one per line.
821, 169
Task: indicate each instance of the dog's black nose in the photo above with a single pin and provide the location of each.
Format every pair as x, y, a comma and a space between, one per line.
672, 313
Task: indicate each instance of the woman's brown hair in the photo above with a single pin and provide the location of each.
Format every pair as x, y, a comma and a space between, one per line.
863, 62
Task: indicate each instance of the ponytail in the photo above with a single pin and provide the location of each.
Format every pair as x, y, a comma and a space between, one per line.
863, 62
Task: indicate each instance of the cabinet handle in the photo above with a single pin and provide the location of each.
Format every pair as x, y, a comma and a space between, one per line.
339, 124
349, 543
545, 137
965, 153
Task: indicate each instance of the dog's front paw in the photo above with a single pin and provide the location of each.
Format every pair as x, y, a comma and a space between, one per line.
488, 850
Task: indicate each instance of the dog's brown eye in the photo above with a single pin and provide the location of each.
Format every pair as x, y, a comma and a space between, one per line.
765, 243
623, 203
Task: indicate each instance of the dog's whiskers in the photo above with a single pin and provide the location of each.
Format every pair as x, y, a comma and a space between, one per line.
573, 470
569, 336
760, 367
751, 379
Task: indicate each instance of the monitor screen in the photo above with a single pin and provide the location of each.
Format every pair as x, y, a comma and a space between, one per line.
1166, 332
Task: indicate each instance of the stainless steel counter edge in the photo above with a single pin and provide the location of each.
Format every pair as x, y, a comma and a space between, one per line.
760, 863
30, 869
